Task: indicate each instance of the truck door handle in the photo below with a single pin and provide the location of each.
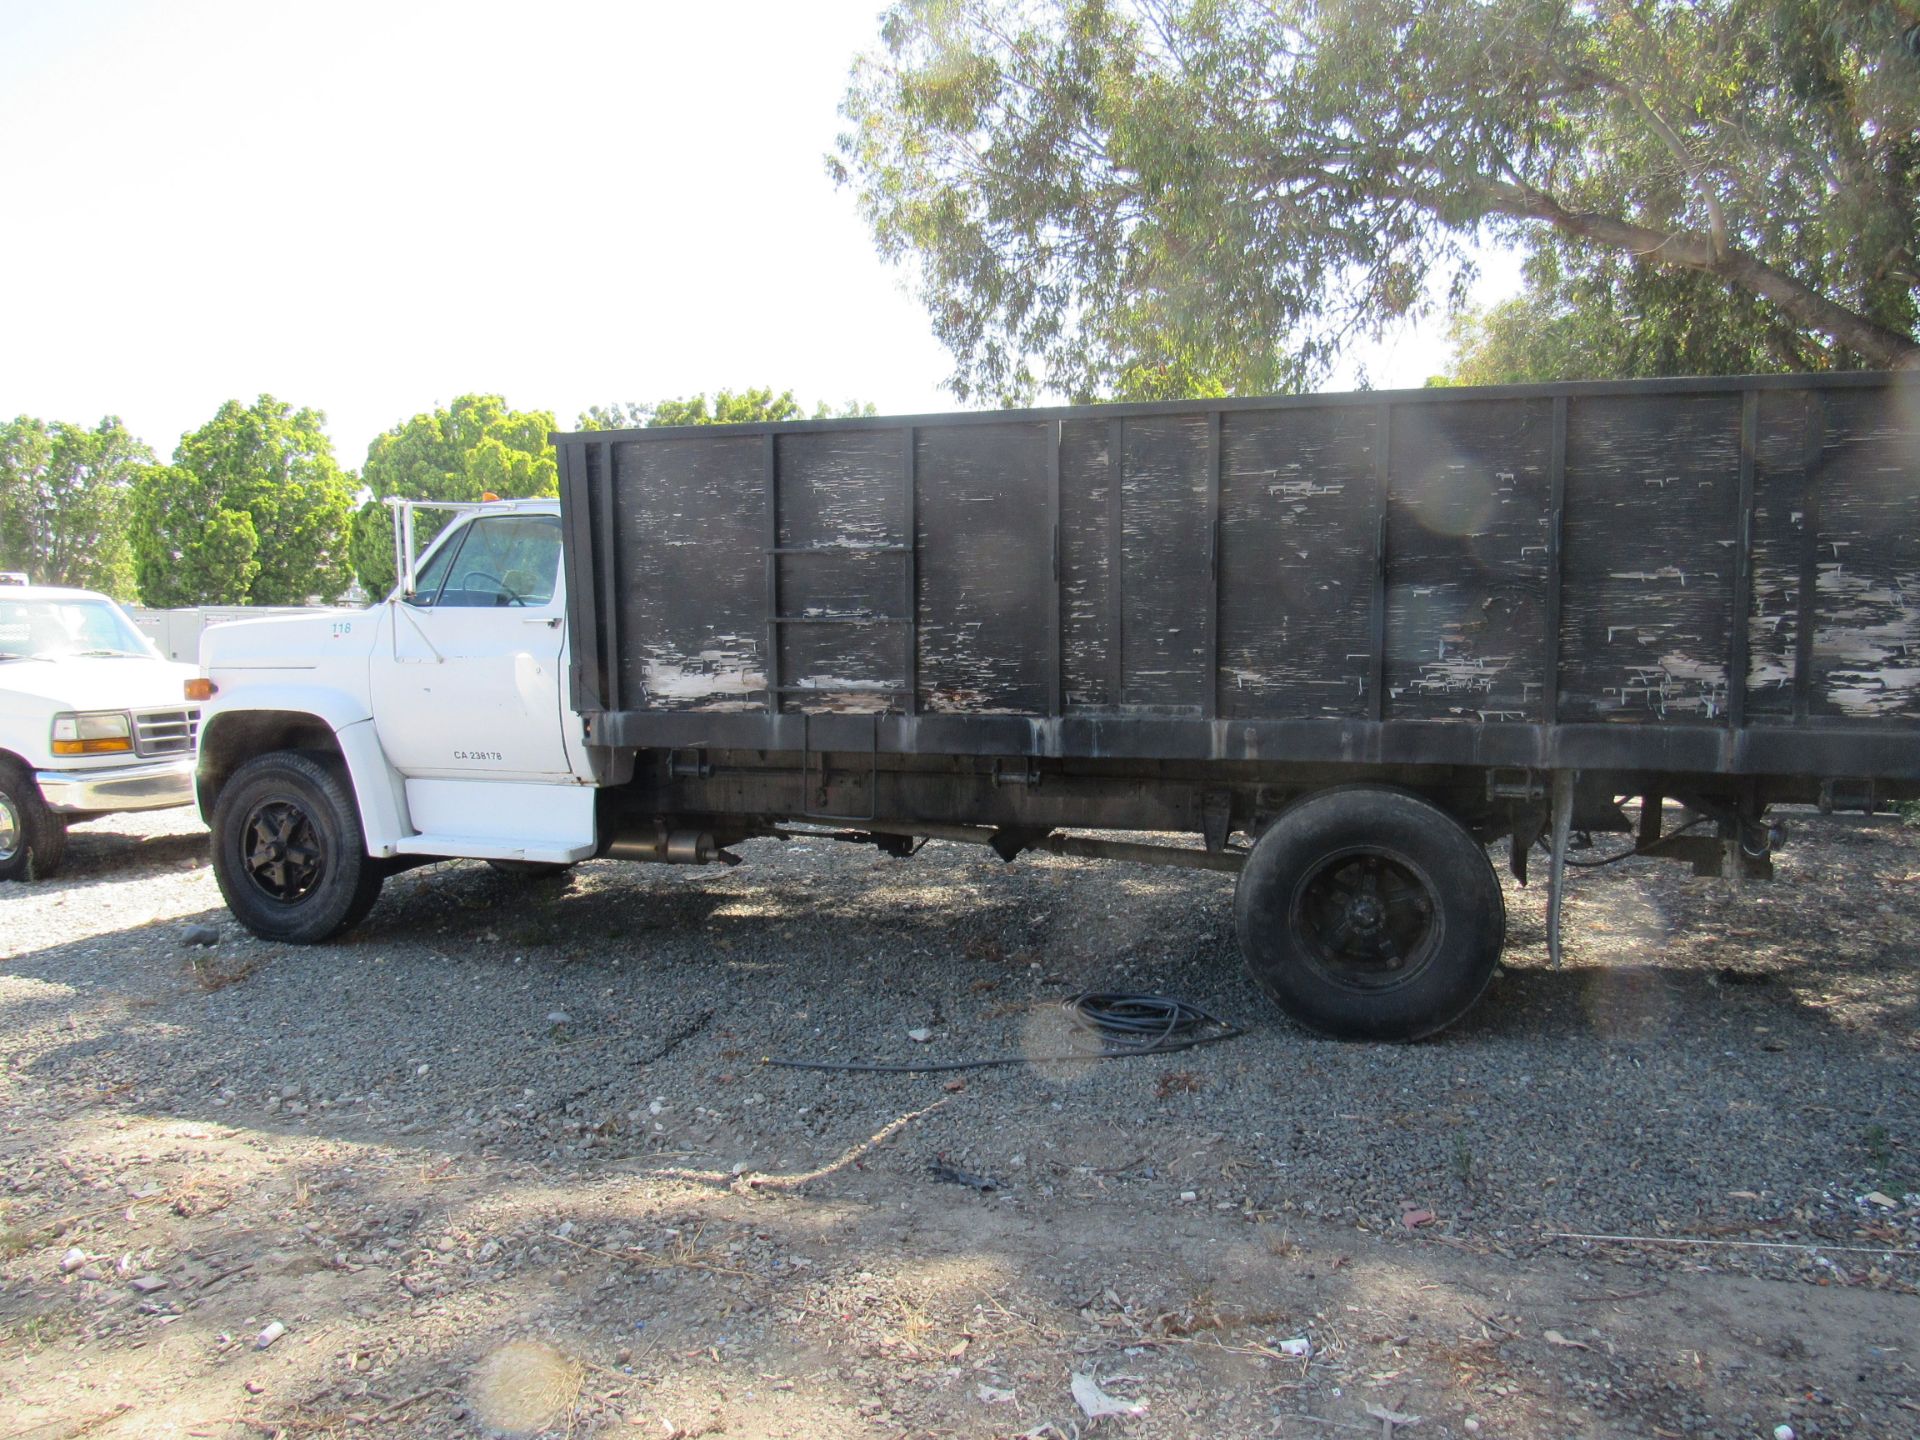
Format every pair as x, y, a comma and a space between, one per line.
549, 620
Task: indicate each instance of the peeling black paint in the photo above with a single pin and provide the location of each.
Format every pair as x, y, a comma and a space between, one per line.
927, 567
1467, 561
1297, 498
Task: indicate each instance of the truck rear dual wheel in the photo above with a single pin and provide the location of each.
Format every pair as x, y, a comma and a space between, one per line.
1368, 914
289, 852
33, 840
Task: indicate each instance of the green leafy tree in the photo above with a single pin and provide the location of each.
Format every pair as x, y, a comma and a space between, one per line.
189, 547
727, 407
626, 415
370, 547
65, 494
1621, 319
269, 466
1111, 196
474, 446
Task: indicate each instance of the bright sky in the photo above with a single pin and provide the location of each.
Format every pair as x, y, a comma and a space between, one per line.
370, 208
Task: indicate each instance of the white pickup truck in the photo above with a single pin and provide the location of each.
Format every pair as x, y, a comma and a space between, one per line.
92, 721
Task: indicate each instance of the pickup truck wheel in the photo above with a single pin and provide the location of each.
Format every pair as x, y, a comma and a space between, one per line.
288, 850
1368, 914
33, 840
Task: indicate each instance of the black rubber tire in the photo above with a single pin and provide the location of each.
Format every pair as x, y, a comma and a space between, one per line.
49, 845
325, 883
1435, 936
531, 869
39, 835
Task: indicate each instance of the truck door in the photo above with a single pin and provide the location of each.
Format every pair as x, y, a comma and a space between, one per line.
467, 680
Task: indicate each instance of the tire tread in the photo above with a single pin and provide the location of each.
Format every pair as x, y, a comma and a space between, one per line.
43, 834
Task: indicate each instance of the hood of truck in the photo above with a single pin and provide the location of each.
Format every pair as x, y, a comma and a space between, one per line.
91, 683
283, 642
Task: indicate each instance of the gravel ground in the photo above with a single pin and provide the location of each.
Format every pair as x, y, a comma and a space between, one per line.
507, 1158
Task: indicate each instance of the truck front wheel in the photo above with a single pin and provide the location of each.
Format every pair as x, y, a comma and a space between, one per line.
288, 850
1368, 914
33, 840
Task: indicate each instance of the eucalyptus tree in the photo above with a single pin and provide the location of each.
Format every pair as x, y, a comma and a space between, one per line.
1184, 196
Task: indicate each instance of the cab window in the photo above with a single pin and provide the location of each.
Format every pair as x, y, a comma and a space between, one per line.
497, 560
432, 575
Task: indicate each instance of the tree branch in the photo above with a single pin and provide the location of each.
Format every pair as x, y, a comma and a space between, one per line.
1877, 344
1716, 217
1695, 172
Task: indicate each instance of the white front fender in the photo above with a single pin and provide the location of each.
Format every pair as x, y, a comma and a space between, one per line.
378, 788
252, 710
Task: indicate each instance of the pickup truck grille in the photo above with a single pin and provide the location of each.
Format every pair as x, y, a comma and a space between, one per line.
166, 732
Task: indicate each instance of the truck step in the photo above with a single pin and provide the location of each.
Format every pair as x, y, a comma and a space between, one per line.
475, 847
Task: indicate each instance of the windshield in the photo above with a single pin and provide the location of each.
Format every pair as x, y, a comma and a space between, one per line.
56, 629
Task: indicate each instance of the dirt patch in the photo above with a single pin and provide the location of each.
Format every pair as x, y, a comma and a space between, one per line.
506, 1160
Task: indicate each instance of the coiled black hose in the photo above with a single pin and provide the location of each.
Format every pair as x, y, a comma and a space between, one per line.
1127, 1025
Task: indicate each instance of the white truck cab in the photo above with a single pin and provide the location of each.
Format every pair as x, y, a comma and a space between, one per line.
92, 721
339, 747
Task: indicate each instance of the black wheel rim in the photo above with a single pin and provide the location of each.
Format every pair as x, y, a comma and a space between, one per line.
1368, 918
282, 852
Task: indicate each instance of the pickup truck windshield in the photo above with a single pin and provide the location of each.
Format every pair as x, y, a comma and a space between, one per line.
59, 629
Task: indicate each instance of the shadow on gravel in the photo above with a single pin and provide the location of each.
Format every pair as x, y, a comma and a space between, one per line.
682, 980
542, 1020
105, 854
488, 1060
1641, 1004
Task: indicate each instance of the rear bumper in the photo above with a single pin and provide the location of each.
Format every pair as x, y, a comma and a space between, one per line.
151, 786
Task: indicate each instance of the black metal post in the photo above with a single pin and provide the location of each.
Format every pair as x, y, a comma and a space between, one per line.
1556, 527
1738, 661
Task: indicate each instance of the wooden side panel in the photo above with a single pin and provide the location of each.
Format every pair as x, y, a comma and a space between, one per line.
842, 576
1653, 492
1779, 545
1866, 638
856, 582
840, 488
1467, 552
1163, 504
845, 669
1091, 660
1298, 506
692, 592
1011, 574
985, 563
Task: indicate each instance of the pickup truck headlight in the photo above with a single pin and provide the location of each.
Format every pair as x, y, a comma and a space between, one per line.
97, 732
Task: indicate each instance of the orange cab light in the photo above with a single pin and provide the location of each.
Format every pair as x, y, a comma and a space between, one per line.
487, 497
201, 688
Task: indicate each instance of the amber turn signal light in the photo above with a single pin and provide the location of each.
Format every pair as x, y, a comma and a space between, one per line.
113, 745
201, 688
